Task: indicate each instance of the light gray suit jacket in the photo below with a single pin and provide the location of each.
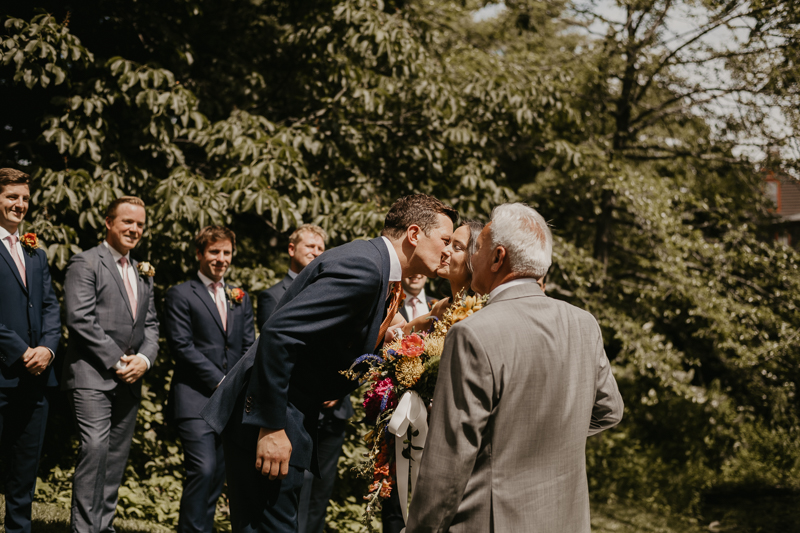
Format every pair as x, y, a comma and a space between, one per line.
521, 385
101, 325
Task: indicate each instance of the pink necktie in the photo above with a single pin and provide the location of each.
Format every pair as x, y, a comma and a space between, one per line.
128, 287
413, 303
17, 259
223, 311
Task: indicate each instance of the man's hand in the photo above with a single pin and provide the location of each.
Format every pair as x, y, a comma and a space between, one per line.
330, 403
36, 359
273, 453
135, 367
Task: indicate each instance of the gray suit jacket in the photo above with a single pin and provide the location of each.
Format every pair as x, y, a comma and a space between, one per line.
521, 385
101, 326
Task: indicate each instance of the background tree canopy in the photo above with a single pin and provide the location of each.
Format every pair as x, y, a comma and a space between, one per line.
263, 114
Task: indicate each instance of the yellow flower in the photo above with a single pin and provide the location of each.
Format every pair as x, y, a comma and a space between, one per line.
408, 371
434, 345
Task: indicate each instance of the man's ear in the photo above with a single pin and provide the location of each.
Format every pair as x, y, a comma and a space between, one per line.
199, 254
291, 249
498, 258
108, 223
413, 234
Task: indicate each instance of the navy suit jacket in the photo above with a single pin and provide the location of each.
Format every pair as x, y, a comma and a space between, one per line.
204, 352
268, 299
330, 315
29, 317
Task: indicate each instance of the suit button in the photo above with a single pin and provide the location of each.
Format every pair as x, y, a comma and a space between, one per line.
30, 305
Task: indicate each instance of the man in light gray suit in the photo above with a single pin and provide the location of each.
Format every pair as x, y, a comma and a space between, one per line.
113, 341
522, 383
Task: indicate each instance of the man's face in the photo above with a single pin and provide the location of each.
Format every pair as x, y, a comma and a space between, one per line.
216, 259
125, 230
431, 248
13, 205
309, 248
482, 262
413, 285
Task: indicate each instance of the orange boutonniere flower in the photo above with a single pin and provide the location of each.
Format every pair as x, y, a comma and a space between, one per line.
235, 295
30, 242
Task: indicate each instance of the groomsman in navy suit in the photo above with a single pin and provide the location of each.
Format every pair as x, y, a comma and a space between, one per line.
30, 328
337, 309
306, 243
209, 327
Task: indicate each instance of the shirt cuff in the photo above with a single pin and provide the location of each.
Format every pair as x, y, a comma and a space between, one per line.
146, 360
52, 356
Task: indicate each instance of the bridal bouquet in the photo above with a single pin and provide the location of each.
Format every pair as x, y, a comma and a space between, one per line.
401, 381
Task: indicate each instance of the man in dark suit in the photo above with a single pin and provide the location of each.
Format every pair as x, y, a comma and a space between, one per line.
306, 243
337, 309
209, 328
30, 328
416, 302
113, 341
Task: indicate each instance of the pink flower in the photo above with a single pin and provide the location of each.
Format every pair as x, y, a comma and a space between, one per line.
374, 398
412, 345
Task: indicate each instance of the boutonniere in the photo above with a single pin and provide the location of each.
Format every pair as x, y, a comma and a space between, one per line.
30, 242
235, 295
146, 269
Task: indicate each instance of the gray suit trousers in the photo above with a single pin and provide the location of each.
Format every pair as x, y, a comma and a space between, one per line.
105, 421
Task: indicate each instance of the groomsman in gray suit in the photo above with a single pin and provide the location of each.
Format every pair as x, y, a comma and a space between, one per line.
113, 341
522, 383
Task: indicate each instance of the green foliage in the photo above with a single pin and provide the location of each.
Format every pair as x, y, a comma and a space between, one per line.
264, 115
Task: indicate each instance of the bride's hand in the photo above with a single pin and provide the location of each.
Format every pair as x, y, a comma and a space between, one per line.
440, 307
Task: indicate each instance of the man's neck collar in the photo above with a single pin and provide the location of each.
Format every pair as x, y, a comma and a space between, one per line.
5, 232
206, 280
395, 258
292, 274
115, 251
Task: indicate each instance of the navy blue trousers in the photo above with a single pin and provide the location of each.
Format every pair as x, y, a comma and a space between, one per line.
316, 492
204, 461
258, 505
23, 416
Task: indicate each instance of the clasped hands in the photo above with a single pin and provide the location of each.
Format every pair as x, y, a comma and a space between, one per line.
36, 359
133, 368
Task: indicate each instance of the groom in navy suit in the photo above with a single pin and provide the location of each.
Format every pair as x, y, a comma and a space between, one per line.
209, 327
30, 328
337, 309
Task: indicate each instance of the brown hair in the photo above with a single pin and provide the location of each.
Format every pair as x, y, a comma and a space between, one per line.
211, 234
419, 209
297, 235
111, 211
12, 176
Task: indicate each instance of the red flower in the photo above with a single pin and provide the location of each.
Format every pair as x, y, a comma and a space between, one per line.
412, 345
374, 398
236, 295
29, 241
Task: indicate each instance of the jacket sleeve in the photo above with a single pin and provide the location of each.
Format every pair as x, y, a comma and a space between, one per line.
51, 310
608, 406
249, 331
337, 296
80, 299
462, 404
181, 339
11, 345
149, 347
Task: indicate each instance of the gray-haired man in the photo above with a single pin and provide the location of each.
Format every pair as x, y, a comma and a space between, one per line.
521, 385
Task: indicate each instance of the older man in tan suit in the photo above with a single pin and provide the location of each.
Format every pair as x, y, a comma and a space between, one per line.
522, 383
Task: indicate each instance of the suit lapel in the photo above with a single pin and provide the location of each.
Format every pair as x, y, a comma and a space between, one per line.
380, 312
12, 265
231, 306
108, 262
141, 291
31, 267
202, 292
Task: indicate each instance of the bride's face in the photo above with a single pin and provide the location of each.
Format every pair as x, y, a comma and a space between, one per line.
454, 266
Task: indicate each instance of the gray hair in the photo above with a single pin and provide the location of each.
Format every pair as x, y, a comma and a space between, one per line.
523, 232
475, 229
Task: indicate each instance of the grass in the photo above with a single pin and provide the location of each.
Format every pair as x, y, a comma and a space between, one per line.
740, 512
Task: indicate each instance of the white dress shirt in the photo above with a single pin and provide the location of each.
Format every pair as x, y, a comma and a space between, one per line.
395, 269
220, 292
508, 284
133, 278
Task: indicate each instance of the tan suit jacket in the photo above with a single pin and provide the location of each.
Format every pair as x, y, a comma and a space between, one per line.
521, 385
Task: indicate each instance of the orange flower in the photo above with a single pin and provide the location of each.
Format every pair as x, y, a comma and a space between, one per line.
386, 488
412, 345
236, 295
460, 314
29, 241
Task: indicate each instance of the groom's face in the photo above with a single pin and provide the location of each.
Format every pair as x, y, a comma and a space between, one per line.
431, 247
